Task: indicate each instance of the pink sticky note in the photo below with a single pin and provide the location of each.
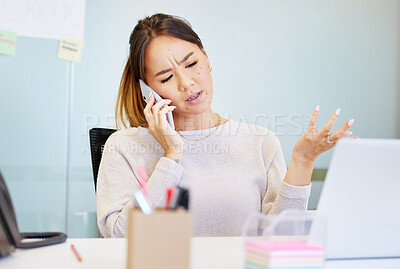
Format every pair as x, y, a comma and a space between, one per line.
272, 246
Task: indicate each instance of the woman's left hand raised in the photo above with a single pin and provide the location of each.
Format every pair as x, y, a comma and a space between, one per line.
314, 142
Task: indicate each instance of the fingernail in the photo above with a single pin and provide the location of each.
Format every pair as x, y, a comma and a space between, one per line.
338, 111
317, 108
348, 133
173, 107
169, 101
350, 122
151, 94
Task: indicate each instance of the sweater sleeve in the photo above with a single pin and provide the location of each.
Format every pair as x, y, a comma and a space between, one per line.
118, 180
279, 195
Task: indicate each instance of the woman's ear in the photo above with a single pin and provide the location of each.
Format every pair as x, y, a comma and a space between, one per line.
205, 54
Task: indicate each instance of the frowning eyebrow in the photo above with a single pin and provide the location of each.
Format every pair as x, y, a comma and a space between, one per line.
169, 69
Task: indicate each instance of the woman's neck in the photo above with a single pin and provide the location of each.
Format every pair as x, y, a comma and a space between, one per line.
192, 122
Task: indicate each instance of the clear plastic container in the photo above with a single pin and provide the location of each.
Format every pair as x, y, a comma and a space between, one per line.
293, 238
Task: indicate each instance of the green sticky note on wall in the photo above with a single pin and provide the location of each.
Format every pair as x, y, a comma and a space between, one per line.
8, 42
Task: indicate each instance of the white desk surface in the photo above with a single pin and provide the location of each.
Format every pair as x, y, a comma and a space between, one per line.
207, 253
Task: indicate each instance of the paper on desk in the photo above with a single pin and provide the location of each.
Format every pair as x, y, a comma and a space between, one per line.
70, 49
43, 19
8, 42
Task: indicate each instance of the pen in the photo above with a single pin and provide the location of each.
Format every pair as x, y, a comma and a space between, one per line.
184, 201
76, 253
143, 203
142, 177
176, 197
169, 195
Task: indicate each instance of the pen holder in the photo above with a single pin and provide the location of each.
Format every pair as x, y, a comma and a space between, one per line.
160, 240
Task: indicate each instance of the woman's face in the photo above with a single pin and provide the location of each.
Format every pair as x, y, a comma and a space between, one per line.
178, 70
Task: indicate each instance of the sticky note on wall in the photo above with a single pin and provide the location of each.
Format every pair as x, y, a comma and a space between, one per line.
70, 49
8, 42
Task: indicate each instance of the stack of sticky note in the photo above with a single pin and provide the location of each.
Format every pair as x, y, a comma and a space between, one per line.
283, 255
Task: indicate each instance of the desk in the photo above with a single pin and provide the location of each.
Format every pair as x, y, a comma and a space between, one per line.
207, 253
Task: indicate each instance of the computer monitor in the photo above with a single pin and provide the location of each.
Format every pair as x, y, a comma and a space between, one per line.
361, 199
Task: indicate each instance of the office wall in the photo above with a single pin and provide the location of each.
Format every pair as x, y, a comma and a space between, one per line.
273, 62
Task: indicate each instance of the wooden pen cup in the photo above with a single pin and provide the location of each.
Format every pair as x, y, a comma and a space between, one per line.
160, 240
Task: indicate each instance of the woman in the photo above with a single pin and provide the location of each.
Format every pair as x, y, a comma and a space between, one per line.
230, 168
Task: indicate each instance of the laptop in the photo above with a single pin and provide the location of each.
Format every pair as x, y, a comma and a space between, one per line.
361, 200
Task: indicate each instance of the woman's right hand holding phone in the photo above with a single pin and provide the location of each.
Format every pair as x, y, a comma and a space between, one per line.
161, 130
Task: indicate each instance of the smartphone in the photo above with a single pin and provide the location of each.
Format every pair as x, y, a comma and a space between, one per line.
146, 90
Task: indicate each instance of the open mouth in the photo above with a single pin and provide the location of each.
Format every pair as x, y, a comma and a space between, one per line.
194, 97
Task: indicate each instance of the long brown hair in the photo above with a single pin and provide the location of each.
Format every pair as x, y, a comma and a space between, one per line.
130, 105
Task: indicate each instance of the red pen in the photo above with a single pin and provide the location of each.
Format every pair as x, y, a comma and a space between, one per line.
169, 195
76, 253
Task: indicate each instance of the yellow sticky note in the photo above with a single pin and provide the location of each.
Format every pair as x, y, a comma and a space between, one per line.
70, 49
8, 42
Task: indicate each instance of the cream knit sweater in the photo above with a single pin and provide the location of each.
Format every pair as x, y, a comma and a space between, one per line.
235, 171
